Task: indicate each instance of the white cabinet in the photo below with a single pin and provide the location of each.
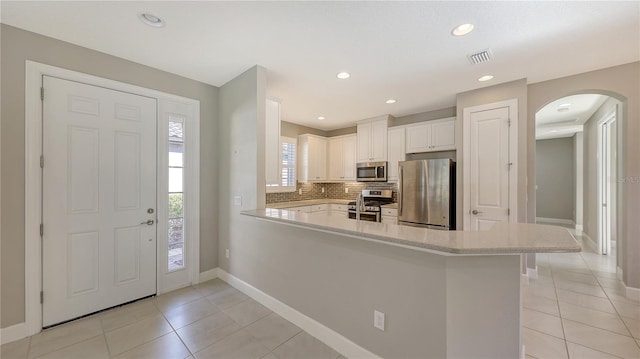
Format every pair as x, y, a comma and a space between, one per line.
437, 135
272, 143
372, 139
320, 208
389, 215
302, 209
339, 209
312, 158
395, 151
342, 158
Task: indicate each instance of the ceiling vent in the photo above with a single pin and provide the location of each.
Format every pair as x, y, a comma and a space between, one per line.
480, 57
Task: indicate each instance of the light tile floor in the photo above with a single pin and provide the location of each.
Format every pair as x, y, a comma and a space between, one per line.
210, 320
577, 309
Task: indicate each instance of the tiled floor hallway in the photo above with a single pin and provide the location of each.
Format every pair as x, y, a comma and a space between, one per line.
576, 309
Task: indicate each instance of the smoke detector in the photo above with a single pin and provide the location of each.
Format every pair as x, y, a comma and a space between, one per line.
480, 57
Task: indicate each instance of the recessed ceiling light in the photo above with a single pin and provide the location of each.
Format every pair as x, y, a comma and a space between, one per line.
343, 75
320, 118
151, 19
461, 30
390, 101
485, 78
565, 105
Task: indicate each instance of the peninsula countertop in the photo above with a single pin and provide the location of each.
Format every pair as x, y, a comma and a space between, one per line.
502, 238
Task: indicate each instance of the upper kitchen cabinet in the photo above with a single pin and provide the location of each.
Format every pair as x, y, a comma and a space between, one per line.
312, 158
395, 151
342, 158
372, 139
272, 143
437, 135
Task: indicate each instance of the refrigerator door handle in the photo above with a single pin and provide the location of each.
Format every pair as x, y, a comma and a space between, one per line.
400, 191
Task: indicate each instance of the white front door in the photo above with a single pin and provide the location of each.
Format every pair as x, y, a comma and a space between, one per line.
488, 168
99, 198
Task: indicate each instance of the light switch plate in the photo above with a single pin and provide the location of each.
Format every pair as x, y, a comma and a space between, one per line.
378, 320
237, 200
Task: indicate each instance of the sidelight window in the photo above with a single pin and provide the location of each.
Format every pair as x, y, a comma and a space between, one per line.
176, 237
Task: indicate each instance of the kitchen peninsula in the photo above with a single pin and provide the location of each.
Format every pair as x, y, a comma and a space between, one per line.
445, 294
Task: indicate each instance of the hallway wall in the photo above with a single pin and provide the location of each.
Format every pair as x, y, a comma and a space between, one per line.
555, 179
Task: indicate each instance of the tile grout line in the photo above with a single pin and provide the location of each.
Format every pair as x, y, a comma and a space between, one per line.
611, 302
555, 290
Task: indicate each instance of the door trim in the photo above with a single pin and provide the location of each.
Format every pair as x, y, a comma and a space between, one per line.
33, 178
512, 104
604, 239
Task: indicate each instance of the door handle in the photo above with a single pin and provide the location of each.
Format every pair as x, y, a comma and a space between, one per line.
475, 212
149, 222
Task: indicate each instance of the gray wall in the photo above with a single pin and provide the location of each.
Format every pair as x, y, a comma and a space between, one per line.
240, 135
424, 116
555, 178
16, 47
621, 82
289, 129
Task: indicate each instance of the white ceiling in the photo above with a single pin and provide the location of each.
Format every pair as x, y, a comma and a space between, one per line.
392, 49
551, 123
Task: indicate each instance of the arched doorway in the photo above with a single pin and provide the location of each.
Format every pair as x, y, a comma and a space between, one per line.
577, 168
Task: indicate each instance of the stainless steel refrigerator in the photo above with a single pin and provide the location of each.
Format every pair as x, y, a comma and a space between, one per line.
426, 193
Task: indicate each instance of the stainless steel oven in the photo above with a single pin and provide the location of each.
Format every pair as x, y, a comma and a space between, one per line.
372, 200
366, 216
371, 171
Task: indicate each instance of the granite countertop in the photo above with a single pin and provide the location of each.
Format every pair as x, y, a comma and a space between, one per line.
390, 205
502, 238
308, 202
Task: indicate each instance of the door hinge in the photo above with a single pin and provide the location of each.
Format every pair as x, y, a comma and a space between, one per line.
41, 229
41, 297
42, 93
508, 211
508, 121
41, 161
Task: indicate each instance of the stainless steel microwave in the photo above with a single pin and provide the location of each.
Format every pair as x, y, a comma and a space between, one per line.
371, 171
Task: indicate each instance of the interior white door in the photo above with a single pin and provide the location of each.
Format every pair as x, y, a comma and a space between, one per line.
99, 198
489, 168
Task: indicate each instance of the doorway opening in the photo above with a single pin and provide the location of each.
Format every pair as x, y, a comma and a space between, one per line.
576, 168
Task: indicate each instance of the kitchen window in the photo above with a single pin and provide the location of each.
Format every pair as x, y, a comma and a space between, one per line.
287, 164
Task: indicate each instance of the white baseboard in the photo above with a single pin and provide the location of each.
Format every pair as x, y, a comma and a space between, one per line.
325, 334
209, 275
590, 242
632, 293
13, 333
579, 229
532, 273
555, 220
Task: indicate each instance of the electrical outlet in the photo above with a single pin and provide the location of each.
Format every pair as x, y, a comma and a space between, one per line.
378, 320
226, 253
322, 189
300, 191
237, 200
346, 190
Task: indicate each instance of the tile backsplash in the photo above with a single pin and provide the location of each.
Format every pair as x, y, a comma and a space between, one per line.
331, 190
